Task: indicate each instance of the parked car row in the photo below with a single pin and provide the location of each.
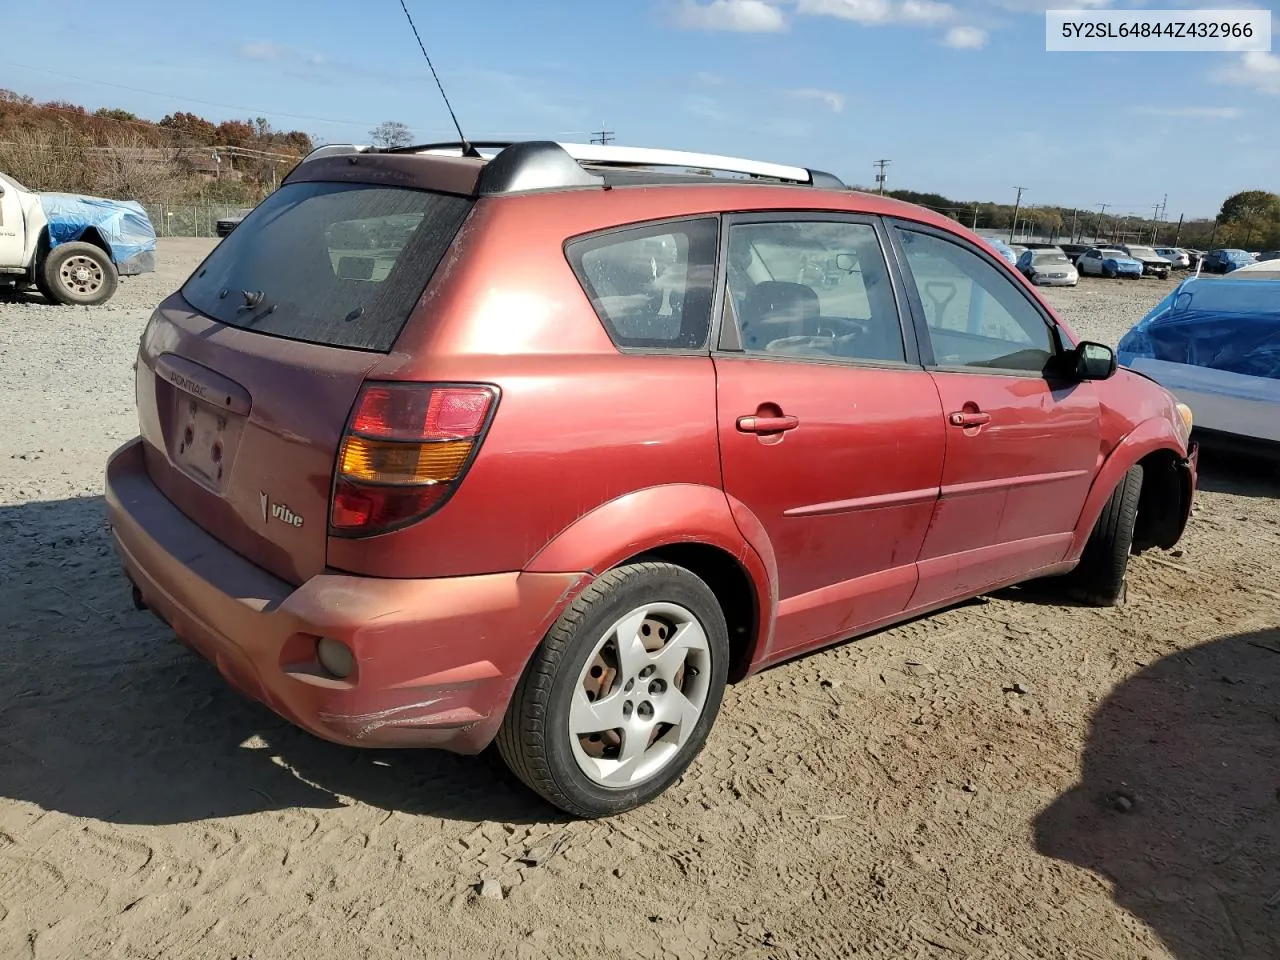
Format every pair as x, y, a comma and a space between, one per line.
1064, 264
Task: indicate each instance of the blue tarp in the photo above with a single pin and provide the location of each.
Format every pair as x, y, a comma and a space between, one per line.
124, 225
1232, 326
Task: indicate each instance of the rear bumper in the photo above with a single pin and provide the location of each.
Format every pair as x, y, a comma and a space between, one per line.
142, 262
436, 660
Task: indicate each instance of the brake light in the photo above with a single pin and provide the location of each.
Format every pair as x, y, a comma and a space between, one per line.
405, 451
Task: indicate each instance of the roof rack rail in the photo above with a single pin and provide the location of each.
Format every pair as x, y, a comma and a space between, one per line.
602, 155
546, 164
334, 150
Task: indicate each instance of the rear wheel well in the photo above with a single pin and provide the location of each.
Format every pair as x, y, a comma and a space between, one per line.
1160, 505
733, 589
44, 246
93, 236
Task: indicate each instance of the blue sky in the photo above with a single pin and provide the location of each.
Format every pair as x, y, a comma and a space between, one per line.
960, 95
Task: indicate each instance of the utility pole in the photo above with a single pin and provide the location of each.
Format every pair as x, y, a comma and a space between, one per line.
1155, 230
1178, 233
880, 177
1017, 205
1075, 215
975, 217
1098, 225
603, 136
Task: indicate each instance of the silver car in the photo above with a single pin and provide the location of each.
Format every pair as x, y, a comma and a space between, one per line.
1048, 267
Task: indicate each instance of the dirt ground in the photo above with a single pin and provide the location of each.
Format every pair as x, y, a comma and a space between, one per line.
1007, 779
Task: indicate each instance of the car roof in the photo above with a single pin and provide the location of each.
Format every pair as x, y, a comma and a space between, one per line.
566, 170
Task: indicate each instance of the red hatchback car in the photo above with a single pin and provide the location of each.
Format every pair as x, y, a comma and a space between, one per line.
542, 447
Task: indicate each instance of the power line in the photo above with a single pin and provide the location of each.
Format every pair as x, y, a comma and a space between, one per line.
880, 175
172, 96
602, 136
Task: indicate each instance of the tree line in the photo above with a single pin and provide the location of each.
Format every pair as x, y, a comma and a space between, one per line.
61, 146
1249, 220
111, 152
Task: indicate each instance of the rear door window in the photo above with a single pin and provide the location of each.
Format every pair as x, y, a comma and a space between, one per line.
338, 264
651, 286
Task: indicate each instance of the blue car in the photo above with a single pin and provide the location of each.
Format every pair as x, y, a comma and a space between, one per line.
1003, 249
1225, 260
1108, 262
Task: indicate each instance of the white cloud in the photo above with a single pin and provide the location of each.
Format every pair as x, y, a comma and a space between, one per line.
878, 11
1194, 113
1040, 6
743, 16
829, 98
924, 11
965, 38
1257, 69
261, 50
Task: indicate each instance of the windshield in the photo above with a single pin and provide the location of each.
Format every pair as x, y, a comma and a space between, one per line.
1051, 256
1115, 254
1143, 252
333, 263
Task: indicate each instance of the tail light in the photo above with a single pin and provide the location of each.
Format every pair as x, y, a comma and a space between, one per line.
404, 452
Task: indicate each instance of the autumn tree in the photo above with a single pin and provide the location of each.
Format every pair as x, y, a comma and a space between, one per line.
190, 126
391, 134
1250, 217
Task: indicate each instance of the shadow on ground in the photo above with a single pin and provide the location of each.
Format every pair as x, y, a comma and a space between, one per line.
1179, 800
105, 715
1243, 469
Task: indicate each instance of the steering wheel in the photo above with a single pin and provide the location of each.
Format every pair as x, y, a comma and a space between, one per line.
836, 327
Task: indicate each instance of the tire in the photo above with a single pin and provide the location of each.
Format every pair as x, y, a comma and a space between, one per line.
78, 274
1099, 578
573, 770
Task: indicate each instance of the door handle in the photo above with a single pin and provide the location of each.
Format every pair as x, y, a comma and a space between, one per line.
767, 424
969, 419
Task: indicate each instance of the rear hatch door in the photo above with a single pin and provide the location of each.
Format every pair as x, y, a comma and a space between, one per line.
247, 376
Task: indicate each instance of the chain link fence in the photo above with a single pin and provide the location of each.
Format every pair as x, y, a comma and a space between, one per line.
189, 219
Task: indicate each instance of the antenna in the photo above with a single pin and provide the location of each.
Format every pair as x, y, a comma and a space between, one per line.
467, 149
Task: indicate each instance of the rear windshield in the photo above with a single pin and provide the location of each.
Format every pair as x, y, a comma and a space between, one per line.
338, 264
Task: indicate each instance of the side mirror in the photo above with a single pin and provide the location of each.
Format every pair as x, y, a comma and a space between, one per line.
1094, 361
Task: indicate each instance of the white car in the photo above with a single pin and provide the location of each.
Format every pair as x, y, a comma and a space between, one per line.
1262, 270
1048, 266
1180, 259
1215, 344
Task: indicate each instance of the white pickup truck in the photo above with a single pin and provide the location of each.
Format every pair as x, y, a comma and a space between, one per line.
73, 249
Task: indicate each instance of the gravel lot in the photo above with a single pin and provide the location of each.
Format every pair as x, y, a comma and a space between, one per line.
1008, 779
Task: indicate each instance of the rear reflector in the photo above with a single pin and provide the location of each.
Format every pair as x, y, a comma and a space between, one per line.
405, 450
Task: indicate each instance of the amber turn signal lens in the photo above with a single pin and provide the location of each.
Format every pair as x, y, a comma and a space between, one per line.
384, 461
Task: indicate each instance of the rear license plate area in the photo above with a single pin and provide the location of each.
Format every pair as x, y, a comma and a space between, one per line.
203, 441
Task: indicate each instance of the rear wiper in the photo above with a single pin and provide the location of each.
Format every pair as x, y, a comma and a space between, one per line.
251, 299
